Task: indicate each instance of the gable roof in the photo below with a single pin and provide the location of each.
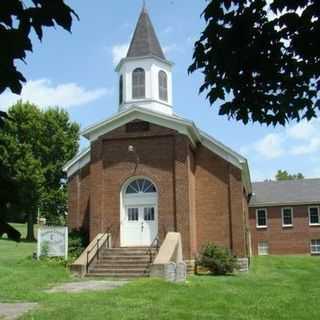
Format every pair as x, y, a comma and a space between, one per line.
145, 41
272, 193
174, 122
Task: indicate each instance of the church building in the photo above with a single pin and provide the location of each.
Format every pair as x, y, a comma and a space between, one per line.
149, 171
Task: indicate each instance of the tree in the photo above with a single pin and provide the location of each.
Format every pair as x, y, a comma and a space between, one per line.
17, 20
284, 175
36, 145
261, 60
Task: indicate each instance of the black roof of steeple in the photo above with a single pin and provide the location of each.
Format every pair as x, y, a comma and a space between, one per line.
145, 41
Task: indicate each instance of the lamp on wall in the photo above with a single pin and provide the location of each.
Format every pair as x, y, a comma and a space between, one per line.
132, 149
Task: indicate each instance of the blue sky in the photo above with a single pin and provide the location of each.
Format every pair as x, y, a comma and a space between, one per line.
76, 71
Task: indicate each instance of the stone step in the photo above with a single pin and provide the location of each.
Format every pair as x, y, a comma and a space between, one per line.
117, 276
118, 270
124, 256
122, 263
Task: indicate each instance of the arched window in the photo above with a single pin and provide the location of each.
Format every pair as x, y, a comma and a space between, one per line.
163, 86
121, 89
140, 186
138, 84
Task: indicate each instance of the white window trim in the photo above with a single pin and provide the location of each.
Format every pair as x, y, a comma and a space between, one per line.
282, 217
263, 251
266, 212
314, 224
311, 246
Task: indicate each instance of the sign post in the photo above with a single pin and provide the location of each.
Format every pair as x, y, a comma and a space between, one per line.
52, 242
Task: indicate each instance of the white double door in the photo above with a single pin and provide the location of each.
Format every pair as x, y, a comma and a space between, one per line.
139, 225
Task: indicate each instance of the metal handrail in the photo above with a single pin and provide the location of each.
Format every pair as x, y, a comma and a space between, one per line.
154, 244
97, 247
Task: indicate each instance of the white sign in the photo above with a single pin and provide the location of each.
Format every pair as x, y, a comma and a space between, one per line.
52, 242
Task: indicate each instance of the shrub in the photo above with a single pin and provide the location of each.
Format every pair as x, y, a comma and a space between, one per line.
217, 260
78, 241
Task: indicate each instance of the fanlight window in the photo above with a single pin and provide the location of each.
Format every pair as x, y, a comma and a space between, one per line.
140, 186
138, 84
163, 86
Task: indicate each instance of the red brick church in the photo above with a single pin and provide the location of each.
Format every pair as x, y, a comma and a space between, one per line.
148, 171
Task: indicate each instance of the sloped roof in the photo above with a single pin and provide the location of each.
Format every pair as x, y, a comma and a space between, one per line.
145, 41
271, 193
177, 123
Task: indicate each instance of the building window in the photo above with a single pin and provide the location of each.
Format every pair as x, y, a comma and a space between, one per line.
315, 246
121, 89
163, 86
287, 217
314, 218
138, 84
263, 248
140, 186
261, 218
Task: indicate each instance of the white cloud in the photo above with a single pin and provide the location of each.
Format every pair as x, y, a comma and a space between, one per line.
43, 93
307, 135
304, 130
271, 146
119, 51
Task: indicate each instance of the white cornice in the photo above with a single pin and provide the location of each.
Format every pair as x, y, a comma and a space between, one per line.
183, 126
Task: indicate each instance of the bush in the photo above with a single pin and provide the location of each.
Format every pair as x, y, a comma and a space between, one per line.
217, 260
78, 241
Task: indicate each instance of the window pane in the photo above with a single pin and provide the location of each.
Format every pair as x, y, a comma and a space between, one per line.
149, 214
141, 186
314, 215
121, 90
263, 248
287, 216
163, 86
315, 246
261, 218
138, 83
133, 214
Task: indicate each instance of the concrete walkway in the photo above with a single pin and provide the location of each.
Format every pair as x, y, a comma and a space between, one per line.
82, 286
11, 311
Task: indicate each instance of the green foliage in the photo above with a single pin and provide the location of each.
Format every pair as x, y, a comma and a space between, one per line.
258, 68
35, 145
217, 260
284, 175
78, 241
17, 20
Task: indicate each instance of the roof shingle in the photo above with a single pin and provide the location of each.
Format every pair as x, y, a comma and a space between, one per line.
145, 41
271, 193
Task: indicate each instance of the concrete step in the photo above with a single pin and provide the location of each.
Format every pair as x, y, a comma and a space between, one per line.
117, 276
122, 263
118, 270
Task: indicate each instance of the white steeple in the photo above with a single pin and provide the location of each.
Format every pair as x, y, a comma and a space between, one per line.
145, 76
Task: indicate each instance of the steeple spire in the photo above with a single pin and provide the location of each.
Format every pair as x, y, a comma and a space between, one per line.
145, 41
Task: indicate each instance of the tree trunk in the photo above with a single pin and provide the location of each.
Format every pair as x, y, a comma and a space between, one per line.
30, 232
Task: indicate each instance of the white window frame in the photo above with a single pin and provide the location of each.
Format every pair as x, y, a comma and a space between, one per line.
266, 213
282, 217
315, 245
263, 250
314, 224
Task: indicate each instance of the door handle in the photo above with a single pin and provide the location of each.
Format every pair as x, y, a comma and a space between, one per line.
142, 226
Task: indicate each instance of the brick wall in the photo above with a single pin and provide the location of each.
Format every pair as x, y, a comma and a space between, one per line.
200, 194
284, 240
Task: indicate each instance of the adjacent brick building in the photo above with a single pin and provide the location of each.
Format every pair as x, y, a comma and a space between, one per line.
285, 217
148, 171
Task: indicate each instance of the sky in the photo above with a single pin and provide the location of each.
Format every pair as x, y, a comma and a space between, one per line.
76, 71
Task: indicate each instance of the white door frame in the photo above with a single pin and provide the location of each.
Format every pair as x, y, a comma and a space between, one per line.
136, 200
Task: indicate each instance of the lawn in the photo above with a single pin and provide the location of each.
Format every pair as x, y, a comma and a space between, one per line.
275, 288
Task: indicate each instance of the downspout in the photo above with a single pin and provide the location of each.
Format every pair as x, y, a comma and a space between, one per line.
230, 209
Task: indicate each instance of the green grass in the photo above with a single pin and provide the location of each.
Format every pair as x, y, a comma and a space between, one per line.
276, 288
